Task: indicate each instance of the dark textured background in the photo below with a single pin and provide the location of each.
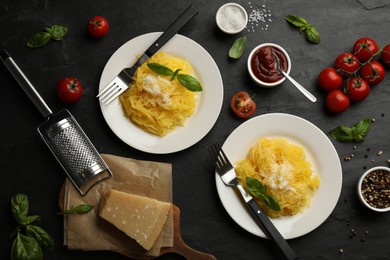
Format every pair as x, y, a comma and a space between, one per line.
28, 166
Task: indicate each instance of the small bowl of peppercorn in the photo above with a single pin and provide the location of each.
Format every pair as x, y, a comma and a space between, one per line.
374, 189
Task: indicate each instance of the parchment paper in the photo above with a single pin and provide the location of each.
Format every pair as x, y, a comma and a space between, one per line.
90, 232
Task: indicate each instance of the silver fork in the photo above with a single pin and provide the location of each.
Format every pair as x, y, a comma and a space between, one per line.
123, 80
226, 171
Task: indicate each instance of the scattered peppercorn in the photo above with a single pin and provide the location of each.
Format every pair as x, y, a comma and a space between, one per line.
376, 189
341, 250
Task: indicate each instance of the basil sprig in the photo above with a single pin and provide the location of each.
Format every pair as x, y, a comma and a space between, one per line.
259, 190
79, 209
355, 133
310, 32
189, 82
55, 32
237, 48
30, 239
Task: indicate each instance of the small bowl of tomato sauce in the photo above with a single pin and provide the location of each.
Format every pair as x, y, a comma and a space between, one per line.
373, 189
262, 66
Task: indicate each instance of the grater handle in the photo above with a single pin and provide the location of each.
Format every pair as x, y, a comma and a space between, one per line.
23, 81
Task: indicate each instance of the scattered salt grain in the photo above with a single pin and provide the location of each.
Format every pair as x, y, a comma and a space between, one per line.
258, 17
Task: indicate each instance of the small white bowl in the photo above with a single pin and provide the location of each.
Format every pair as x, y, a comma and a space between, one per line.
231, 18
359, 188
259, 81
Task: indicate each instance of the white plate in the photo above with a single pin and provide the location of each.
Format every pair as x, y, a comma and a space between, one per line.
321, 153
209, 100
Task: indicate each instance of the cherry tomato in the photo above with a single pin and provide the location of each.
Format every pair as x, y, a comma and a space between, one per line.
69, 89
373, 72
98, 26
385, 56
242, 104
329, 79
336, 101
357, 89
364, 48
346, 64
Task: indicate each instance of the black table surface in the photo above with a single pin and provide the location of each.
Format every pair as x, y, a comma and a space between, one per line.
28, 166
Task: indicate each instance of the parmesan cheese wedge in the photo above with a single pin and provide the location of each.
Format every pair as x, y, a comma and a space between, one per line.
141, 218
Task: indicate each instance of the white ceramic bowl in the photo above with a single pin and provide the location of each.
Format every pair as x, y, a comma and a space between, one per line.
263, 83
231, 18
359, 188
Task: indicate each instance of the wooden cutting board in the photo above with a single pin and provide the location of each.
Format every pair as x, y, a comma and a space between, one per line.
179, 246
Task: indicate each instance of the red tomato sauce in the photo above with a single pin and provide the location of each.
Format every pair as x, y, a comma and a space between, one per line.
263, 64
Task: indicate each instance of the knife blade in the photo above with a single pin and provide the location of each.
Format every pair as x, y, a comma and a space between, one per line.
185, 17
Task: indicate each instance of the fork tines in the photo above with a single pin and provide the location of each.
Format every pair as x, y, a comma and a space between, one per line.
219, 155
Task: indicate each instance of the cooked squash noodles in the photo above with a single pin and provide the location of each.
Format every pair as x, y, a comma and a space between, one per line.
286, 171
155, 103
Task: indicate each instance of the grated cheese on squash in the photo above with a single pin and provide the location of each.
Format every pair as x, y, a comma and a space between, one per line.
155, 103
286, 171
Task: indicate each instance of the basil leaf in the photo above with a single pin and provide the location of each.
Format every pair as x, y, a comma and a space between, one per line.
342, 134
271, 202
175, 74
355, 133
19, 207
40, 235
79, 209
25, 248
255, 186
312, 34
189, 82
160, 69
257, 189
31, 219
296, 20
363, 126
237, 48
57, 32
39, 39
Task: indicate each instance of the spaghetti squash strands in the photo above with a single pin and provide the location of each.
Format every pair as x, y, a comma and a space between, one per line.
286, 171
154, 102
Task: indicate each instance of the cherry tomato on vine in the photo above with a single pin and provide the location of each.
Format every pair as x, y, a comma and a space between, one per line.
346, 64
373, 72
242, 104
336, 101
385, 56
357, 89
365, 48
69, 89
329, 79
98, 26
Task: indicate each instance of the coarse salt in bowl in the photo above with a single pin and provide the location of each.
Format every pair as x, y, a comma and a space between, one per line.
373, 189
283, 57
231, 18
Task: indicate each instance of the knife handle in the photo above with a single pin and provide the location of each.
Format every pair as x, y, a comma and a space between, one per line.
271, 231
186, 16
23, 81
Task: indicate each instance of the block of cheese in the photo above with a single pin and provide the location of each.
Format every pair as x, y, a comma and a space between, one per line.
141, 218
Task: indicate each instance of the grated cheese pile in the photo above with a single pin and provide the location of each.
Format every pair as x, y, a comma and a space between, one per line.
155, 103
286, 171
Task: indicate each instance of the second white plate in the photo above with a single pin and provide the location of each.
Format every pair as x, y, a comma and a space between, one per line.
197, 126
321, 153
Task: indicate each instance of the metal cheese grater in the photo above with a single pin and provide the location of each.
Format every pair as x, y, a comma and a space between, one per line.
64, 137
